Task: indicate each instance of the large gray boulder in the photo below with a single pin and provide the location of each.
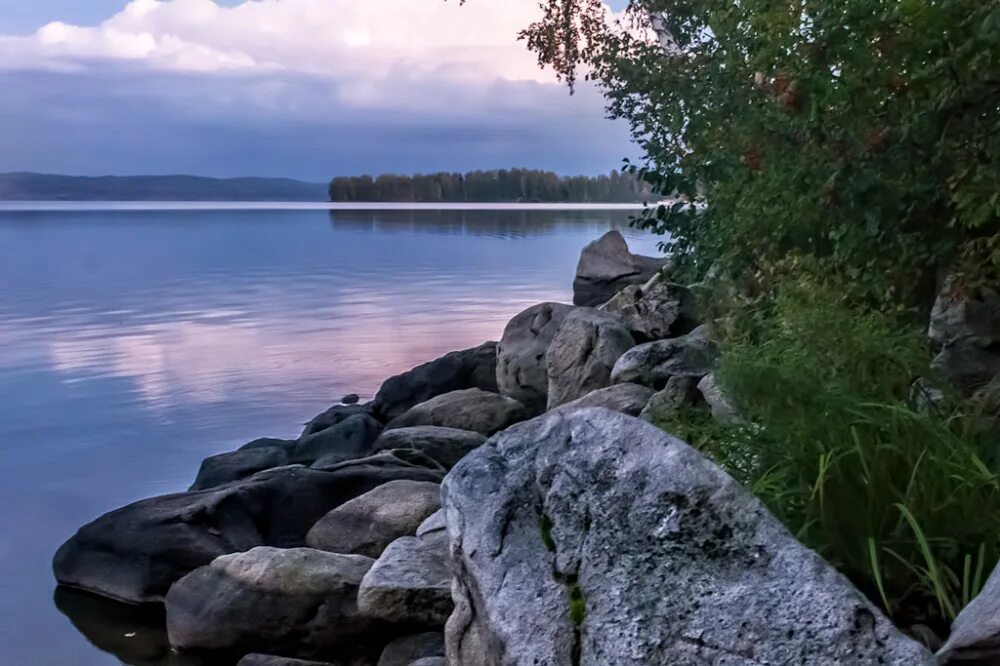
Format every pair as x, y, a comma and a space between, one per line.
297, 601
469, 368
335, 415
135, 553
582, 354
522, 372
975, 633
656, 310
409, 584
472, 409
628, 399
408, 649
653, 363
367, 524
606, 266
445, 445
592, 538
680, 393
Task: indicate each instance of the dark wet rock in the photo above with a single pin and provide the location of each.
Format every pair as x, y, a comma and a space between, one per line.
408, 649
296, 601
350, 399
367, 524
409, 584
335, 415
350, 439
653, 363
446, 445
590, 537
967, 364
656, 310
227, 467
583, 353
469, 368
606, 266
678, 394
965, 329
135, 553
522, 371
267, 443
474, 410
628, 399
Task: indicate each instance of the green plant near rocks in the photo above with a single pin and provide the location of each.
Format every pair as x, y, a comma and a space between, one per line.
905, 503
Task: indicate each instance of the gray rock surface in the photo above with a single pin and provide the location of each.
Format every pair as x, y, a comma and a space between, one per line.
628, 399
471, 409
522, 372
469, 368
593, 538
446, 445
967, 364
679, 393
975, 633
656, 310
582, 354
408, 649
653, 363
135, 553
349, 439
367, 524
434, 523
430, 661
235, 465
965, 328
722, 409
295, 601
410, 583
606, 266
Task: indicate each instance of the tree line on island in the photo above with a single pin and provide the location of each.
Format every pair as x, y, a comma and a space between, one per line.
498, 185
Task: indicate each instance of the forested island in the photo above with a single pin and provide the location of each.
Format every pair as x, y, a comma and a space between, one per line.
498, 185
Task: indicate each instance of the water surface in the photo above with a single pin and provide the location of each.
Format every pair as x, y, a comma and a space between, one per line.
136, 341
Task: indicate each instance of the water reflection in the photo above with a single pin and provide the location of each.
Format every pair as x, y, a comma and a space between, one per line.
134, 344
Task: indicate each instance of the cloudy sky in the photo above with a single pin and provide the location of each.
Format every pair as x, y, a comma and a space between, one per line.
301, 88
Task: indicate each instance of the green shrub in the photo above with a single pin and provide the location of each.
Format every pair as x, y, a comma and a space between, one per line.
904, 503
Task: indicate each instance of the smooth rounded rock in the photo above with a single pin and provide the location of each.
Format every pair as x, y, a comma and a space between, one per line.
235, 465
471, 409
445, 445
409, 649
628, 399
410, 584
367, 524
582, 354
652, 364
522, 371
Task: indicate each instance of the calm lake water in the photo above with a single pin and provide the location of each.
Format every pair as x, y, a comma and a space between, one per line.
136, 341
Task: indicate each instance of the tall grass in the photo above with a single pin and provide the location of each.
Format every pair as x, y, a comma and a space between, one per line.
906, 504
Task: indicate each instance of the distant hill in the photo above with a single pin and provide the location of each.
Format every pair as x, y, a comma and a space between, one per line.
45, 187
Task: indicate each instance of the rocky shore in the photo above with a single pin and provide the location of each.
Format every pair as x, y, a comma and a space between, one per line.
505, 504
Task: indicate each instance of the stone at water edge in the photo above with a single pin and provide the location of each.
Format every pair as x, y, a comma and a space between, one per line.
975, 633
445, 445
410, 583
522, 372
335, 415
235, 465
367, 524
582, 354
606, 266
350, 439
294, 601
350, 399
638, 527
628, 399
474, 410
135, 553
469, 368
654, 363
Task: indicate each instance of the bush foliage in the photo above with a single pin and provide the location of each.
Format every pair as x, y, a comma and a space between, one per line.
828, 158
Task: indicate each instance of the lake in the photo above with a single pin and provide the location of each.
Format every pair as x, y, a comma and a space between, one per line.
135, 340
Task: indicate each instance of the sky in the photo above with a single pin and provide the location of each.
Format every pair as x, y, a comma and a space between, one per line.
306, 89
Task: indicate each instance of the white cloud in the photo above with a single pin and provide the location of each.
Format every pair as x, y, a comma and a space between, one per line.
370, 39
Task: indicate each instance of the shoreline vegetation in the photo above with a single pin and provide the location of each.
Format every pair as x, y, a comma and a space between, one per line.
499, 186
